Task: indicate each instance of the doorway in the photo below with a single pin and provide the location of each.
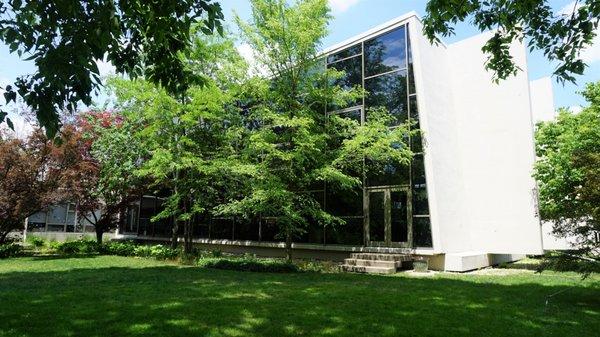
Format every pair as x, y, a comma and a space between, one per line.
389, 217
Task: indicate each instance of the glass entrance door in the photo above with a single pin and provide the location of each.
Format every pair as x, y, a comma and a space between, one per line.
388, 223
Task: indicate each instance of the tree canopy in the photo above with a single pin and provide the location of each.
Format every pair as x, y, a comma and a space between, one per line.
65, 39
560, 36
568, 173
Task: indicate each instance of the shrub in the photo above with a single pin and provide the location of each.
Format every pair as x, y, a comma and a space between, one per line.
124, 248
316, 266
249, 264
128, 248
10, 250
158, 252
36, 241
82, 246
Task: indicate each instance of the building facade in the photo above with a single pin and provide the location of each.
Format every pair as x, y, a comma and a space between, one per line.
466, 201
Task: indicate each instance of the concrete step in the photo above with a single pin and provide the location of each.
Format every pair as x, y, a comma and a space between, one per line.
381, 257
373, 263
368, 269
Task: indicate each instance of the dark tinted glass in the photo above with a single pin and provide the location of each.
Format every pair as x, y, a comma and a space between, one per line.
268, 229
388, 91
376, 216
354, 115
246, 230
418, 171
221, 229
352, 78
387, 174
411, 76
416, 142
351, 51
386, 52
422, 232
399, 218
313, 234
351, 233
420, 202
344, 202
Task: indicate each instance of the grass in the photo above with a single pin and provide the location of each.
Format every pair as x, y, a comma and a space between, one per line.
121, 296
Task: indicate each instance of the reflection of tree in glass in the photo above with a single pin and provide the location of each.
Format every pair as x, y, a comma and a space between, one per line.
389, 91
352, 69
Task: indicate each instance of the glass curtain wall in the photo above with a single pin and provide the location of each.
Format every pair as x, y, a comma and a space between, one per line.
383, 66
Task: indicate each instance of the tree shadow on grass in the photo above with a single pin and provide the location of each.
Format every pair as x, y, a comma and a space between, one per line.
174, 301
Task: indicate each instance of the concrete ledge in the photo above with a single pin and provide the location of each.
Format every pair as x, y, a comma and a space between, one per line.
466, 261
281, 245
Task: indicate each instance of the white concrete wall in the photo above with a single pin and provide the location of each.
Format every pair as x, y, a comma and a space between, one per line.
542, 100
552, 242
495, 140
438, 119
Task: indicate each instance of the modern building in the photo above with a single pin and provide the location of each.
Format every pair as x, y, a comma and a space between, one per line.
467, 200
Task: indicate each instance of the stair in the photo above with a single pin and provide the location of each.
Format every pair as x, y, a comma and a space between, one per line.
374, 263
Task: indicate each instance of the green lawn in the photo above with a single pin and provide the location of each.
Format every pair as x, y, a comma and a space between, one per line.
118, 296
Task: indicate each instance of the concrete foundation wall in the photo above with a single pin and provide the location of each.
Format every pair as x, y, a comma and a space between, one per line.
61, 237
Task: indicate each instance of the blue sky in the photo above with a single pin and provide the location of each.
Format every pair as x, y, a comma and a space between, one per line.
351, 17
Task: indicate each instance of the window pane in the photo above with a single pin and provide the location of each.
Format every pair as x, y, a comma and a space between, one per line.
351, 233
388, 91
418, 171
420, 202
268, 229
376, 216
354, 50
411, 75
36, 226
386, 52
39, 217
352, 78
221, 229
387, 174
56, 228
422, 232
57, 215
399, 228
246, 230
314, 234
354, 115
416, 141
344, 202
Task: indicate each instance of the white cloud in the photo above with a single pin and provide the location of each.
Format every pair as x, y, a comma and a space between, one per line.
340, 6
590, 54
575, 109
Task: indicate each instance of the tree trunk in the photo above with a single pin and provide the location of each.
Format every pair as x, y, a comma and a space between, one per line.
99, 234
187, 248
174, 234
288, 246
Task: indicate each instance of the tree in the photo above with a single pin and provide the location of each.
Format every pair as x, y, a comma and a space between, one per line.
31, 177
65, 38
561, 37
568, 173
292, 142
102, 181
189, 141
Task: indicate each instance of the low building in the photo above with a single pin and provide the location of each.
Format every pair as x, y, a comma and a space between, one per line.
467, 201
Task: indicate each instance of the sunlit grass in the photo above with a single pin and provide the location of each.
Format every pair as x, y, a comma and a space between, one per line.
117, 296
